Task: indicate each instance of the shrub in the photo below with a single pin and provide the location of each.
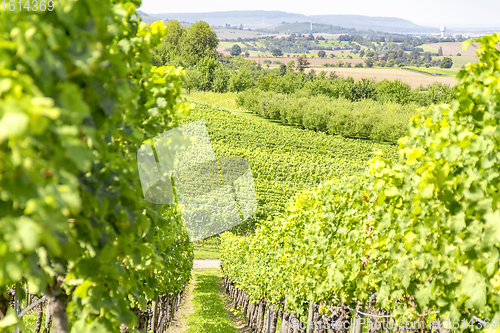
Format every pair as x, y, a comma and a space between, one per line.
240, 81
395, 91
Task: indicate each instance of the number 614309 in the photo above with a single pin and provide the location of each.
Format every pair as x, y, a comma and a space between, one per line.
29, 5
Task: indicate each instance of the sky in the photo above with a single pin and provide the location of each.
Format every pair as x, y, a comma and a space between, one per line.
458, 13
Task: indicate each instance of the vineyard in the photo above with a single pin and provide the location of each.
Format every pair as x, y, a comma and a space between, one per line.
285, 160
345, 229
412, 241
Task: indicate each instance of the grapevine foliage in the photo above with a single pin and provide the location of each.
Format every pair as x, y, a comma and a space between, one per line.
422, 234
285, 160
78, 97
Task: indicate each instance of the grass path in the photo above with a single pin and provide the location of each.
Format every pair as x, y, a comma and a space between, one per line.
209, 313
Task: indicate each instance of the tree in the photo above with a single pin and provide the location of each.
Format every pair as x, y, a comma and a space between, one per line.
447, 62
206, 68
321, 54
282, 69
199, 42
240, 81
302, 64
370, 53
440, 51
235, 50
169, 52
361, 53
369, 62
247, 54
277, 52
220, 79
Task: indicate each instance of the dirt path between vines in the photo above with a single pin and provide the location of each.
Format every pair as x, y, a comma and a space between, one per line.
239, 323
179, 324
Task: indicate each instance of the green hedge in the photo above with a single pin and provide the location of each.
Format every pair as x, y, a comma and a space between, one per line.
366, 119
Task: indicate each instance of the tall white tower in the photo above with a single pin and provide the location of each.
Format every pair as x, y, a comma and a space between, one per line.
311, 25
443, 30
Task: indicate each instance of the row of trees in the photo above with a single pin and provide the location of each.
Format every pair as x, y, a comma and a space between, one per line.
185, 47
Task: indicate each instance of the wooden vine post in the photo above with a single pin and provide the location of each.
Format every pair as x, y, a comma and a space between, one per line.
310, 324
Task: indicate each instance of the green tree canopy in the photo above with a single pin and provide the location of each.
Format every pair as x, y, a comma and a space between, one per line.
302, 64
200, 42
235, 50
447, 62
185, 47
169, 52
369, 62
241, 80
277, 52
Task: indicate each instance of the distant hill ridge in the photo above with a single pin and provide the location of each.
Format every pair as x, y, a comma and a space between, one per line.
262, 19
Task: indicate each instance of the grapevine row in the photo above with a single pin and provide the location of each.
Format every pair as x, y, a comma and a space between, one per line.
422, 235
78, 98
285, 160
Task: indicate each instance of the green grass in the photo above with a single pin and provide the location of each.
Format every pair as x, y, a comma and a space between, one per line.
210, 314
459, 61
445, 71
30, 321
207, 248
225, 100
206, 253
428, 48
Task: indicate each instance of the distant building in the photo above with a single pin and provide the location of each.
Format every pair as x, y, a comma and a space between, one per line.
443, 30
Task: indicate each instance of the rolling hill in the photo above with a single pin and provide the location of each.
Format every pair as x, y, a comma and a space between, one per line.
262, 19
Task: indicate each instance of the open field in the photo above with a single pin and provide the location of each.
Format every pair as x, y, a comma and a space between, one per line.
459, 61
225, 33
450, 48
379, 74
314, 62
433, 71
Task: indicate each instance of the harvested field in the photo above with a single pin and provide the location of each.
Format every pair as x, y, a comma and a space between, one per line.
312, 61
379, 74
451, 48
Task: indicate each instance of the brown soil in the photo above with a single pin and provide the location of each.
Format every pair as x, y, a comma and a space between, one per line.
379, 74
453, 48
312, 61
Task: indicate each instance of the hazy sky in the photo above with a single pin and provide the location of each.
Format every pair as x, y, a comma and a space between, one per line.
423, 12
